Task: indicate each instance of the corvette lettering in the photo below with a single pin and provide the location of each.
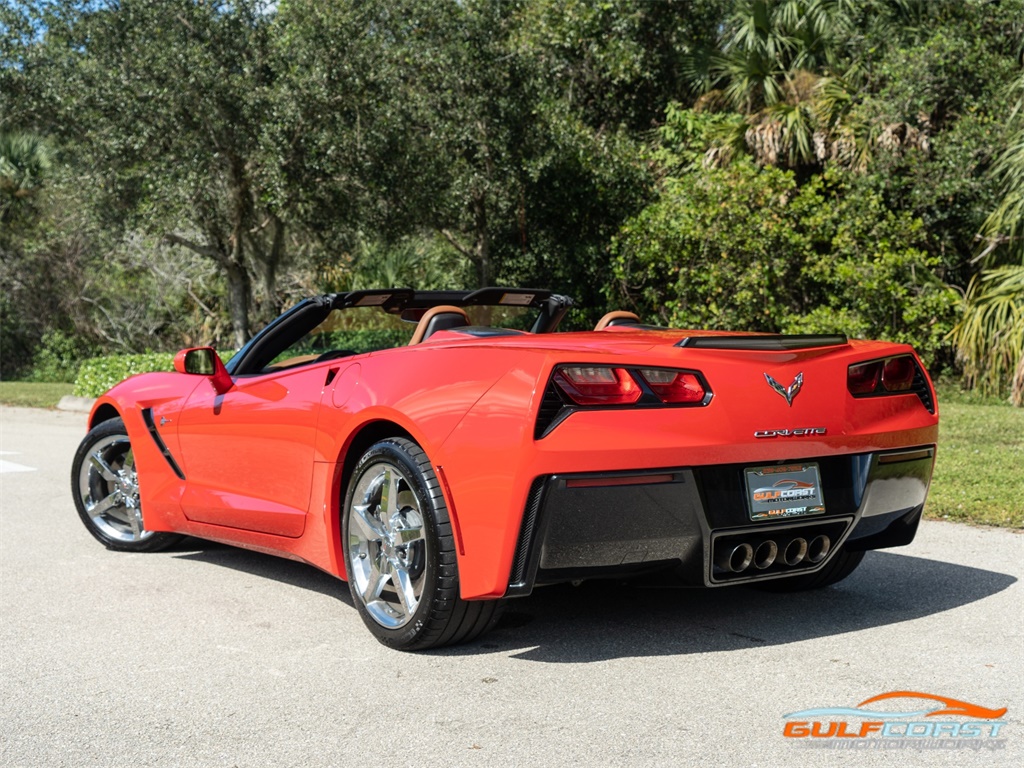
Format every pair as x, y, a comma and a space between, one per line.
799, 432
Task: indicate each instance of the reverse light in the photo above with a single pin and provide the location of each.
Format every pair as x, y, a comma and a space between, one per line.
598, 385
674, 386
862, 379
898, 373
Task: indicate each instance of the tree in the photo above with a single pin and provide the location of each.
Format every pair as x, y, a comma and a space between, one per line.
990, 336
439, 120
24, 160
747, 248
162, 106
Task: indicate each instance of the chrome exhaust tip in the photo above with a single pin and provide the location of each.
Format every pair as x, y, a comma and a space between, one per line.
736, 559
818, 549
764, 555
795, 552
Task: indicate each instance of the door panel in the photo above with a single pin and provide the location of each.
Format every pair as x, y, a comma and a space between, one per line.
248, 453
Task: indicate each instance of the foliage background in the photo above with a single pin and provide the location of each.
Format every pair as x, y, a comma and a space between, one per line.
176, 173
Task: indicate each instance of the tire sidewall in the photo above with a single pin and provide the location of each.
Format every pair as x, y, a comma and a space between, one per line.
434, 511
105, 429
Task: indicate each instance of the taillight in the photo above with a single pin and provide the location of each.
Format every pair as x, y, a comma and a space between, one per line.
893, 374
674, 386
863, 379
598, 385
898, 373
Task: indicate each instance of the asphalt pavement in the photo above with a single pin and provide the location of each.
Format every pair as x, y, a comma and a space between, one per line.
206, 655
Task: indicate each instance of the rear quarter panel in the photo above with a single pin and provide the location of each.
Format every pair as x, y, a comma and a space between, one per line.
491, 457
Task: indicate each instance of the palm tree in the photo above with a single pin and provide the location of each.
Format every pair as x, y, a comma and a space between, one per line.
24, 160
772, 56
785, 65
990, 336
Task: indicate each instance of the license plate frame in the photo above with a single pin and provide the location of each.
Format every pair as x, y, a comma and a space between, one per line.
782, 492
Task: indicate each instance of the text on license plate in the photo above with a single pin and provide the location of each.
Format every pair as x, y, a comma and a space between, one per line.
791, 490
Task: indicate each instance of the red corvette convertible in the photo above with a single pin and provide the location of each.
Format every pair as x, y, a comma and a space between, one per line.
489, 454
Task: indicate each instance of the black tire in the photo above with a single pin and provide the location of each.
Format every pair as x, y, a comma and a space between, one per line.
842, 564
106, 491
401, 566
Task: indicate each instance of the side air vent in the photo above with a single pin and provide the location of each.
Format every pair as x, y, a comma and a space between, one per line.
521, 561
920, 388
147, 417
552, 410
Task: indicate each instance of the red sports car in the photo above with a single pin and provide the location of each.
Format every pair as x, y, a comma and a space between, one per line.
488, 454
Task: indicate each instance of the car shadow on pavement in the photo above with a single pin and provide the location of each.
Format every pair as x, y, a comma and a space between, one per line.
598, 620
292, 572
606, 619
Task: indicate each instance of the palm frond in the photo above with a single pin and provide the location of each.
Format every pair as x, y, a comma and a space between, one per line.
990, 336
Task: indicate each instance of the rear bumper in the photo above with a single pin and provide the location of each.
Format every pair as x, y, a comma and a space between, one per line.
587, 525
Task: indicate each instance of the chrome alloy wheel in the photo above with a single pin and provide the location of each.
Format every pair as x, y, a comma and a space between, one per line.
108, 487
387, 546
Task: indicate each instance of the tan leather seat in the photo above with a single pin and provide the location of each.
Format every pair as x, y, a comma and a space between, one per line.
619, 317
439, 319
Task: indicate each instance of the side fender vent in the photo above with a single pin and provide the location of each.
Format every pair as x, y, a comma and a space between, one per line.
553, 409
920, 388
147, 417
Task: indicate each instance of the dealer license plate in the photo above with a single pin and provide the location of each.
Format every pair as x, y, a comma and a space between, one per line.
777, 492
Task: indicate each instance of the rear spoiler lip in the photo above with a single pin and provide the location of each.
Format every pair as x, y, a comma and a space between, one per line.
765, 342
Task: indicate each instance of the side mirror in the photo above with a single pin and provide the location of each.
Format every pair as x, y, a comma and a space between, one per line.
204, 361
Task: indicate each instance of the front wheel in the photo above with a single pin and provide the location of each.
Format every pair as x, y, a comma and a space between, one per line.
105, 487
400, 553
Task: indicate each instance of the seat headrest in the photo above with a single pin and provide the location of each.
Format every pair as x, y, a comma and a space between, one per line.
436, 319
618, 317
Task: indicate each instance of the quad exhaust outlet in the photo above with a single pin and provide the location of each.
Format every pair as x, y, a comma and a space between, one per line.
737, 558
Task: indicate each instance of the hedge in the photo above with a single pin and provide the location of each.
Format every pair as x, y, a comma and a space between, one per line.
98, 374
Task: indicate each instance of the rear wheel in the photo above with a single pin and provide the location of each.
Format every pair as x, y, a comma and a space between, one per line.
105, 487
400, 553
842, 564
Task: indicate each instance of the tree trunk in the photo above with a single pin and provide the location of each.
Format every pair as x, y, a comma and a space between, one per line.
482, 247
239, 287
239, 282
271, 260
238, 301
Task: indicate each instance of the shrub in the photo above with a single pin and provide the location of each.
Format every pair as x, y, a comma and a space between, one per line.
744, 248
98, 374
57, 358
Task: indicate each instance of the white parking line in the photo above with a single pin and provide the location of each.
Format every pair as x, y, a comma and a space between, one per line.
10, 466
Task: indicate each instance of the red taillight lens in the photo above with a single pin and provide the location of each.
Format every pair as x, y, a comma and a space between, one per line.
898, 373
863, 379
598, 385
674, 386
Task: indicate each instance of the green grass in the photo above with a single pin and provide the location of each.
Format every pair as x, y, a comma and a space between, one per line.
979, 473
30, 394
